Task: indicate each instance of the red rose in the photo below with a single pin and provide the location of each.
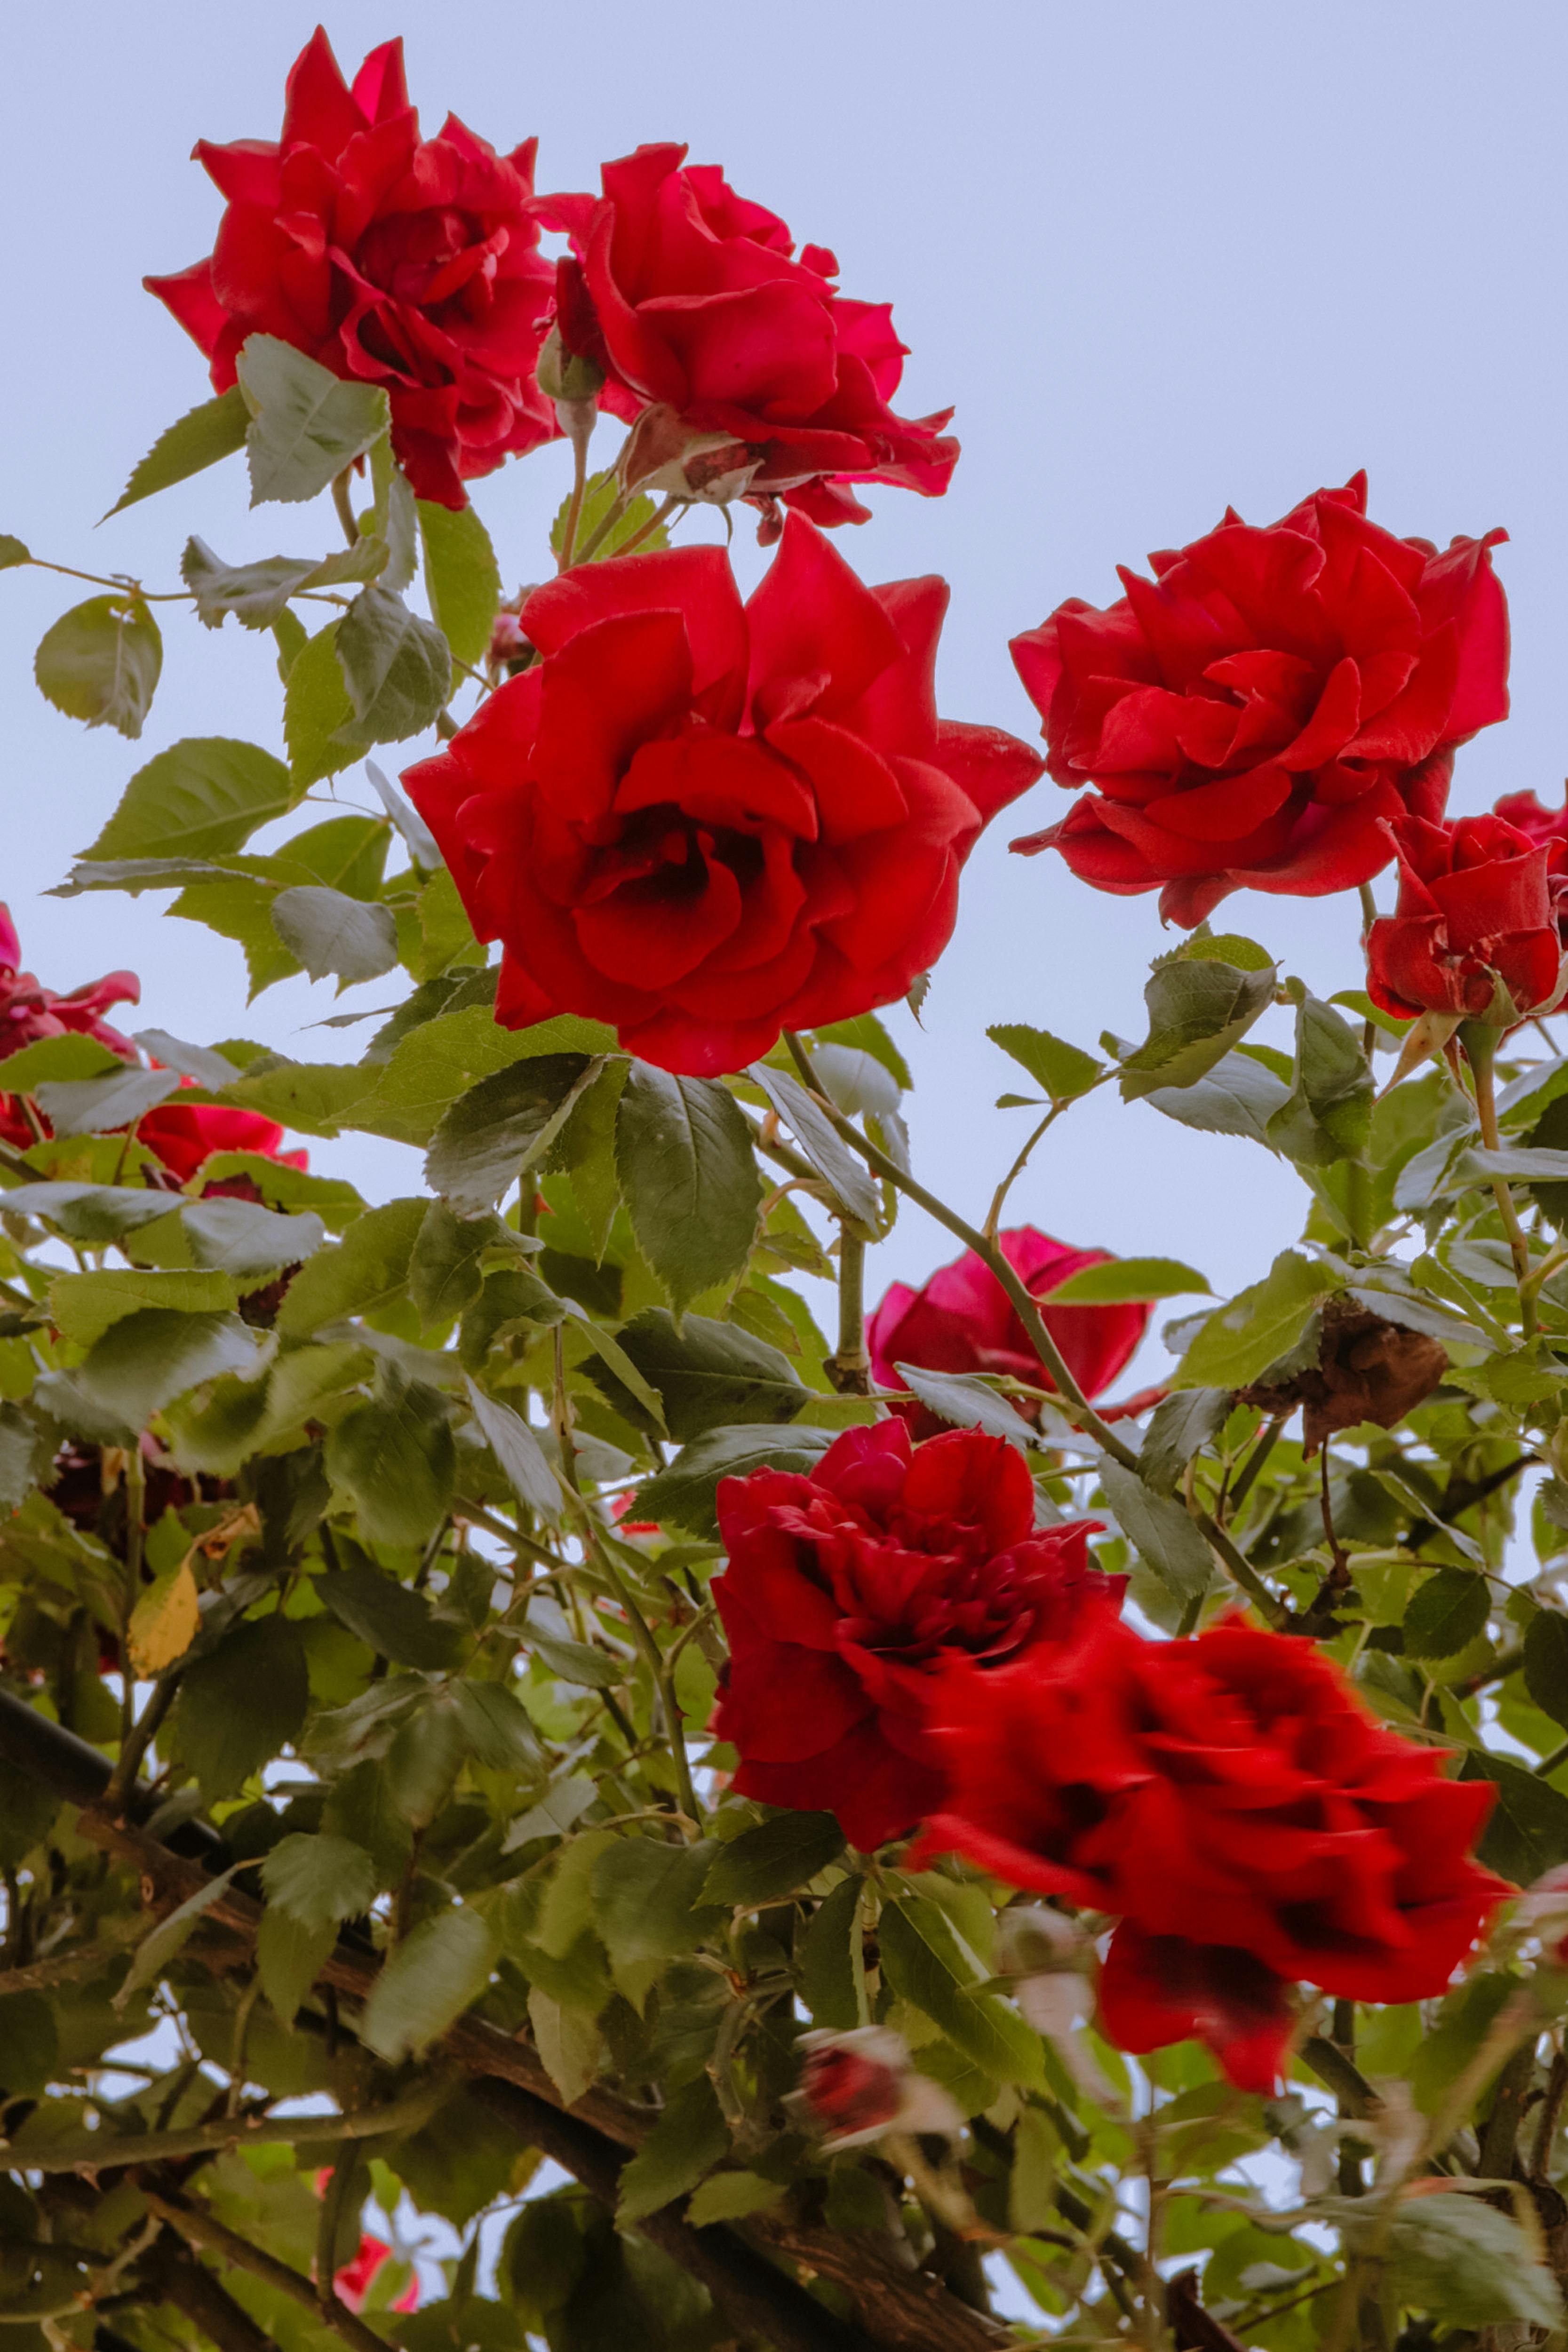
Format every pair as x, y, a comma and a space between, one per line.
28, 1011
185, 1135
858, 2085
1233, 1801
962, 1320
390, 259
693, 301
1524, 812
1477, 906
1252, 715
353, 2284
703, 822
848, 1591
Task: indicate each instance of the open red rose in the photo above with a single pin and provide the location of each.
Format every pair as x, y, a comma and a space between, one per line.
185, 1135
962, 1321
29, 1011
1478, 905
848, 1591
390, 259
1234, 1802
1525, 813
702, 821
1252, 714
694, 302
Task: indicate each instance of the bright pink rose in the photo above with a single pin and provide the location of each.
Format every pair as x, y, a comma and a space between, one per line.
29, 1011
846, 1593
408, 263
1251, 717
1478, 905
962, 1321
693, 302
702, 821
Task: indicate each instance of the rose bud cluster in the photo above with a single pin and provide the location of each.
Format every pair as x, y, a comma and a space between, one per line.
1233, 1803
1254, 715
392, 260
962, 1321
848, 1591
705, 321
704, 822
856, 2087
1474, 933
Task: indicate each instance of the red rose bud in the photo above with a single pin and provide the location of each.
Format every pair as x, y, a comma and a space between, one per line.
1235, 1805
409, 263
857, 2085
1254, 715
848, 1591
689, 297
1473, 935
962, 1321
702, 821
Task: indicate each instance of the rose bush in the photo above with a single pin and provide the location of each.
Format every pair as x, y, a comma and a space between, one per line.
962, 1321
1474, 932
1251, 717
392, 260
848, 1590
703, 822
1237, 1808
693, 300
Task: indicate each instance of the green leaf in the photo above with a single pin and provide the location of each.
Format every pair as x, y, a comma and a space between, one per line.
12, 552
243, 1239
462, 578
319, 1880
684, 1491
397, 669
599, 496
329, 933
289, 1959
1180, 1426
84, 1306
1467, 2264
568, 2043
198, 1062
1230, 948
1125, 1279
88, 1213
832, 1958
1240, 1341
244, 1703
197, 440
23, 1458
1060, 1070
1239, 1097
705, 1373
550, 1637
431, 1978
1197, 1012
1328, 1114
388, 1617
923, 1963
968, 1402
519, 1453
148, 1359
444, 1273
1546, 1664
306, 424
1446, 1613
366, 1270
689, 1175
203, 797
97, 1106
732, 2197
503, 1125
394, 1456
100, 663
316, 710
646, 1898
689, 2139
866, 1035
70, 1056
849, 1180
765, 1864
257, 594
1160, 1530
159, 1946
1527, 1833
437, 1061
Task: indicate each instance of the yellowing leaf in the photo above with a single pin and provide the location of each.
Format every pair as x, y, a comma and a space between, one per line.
163, 1621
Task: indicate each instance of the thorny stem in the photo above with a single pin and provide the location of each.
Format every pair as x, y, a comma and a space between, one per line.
1070, 1397
1479, 1057
340, 500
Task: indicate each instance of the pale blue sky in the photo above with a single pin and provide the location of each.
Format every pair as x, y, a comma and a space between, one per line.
1161, 258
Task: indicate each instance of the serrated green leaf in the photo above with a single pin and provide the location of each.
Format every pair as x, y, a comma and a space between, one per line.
1546, 1664
776, 1858
519, 1451
242, 1239
397, 669
88, 1213
393, 1455
966, 1400
1060, 1070
1161, 1531
83, 1305
923, 1961
1180, 1427
1467, 2264
1237, 1097
598, 498
502, 1126
1125, 1279
70, 1056
1527, 1833
332, 934
257, 594
316, 709
201, 798
1197, 1012
1446, 1613
849, 1180
100, 663
365, 1271
705, 1373
690, 1179
646, 1899
146, 1359
241, 1704
198, 439
684, 1491
1240, 1341
689, 2139
98, 1106
462, 578
289, 1959
306, 424
319, 1880
427, 1983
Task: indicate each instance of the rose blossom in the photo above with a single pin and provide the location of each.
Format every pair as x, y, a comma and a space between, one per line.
1476, 907
1252, 715
702, 821
962, 1321
693, 302
845, 1593
856, 2085
1526, 814
29, 1011
1233, 1803
390, 259
185, 1135
353, 2284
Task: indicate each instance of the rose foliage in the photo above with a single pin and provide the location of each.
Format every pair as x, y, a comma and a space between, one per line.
561, 1781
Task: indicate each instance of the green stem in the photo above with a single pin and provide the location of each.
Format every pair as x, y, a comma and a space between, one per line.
135, 1505
993, 1216
598, 538
340, 500
1070, 1396
1253, 1462
574, 510
1480, 1046
646, 531
849, 1368
1552, 1763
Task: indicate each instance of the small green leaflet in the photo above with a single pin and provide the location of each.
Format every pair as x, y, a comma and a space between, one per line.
196, 440
1125, 1279
1060, 1070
